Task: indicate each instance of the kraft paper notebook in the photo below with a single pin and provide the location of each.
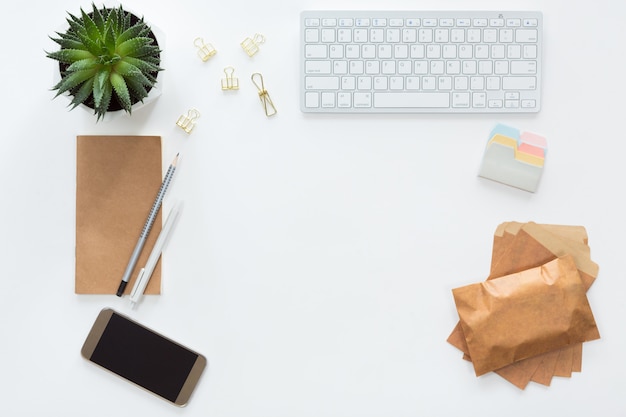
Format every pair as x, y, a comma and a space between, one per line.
117, 179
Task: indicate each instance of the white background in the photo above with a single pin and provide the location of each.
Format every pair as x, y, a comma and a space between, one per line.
315, 255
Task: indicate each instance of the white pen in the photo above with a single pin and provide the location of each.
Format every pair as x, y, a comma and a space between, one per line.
146, 272
147, 227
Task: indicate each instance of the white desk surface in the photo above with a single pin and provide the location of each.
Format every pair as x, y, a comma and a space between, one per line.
315, 256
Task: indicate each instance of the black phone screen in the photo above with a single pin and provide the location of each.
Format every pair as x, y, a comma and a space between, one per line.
144, 357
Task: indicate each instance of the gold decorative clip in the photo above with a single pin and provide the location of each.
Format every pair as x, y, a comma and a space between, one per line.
205, 51
188, 122
230, 82
268, 105
251, 46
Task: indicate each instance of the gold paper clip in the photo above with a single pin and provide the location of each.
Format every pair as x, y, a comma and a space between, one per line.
230, 82
251, 46
268, 105
188, 122
205, 51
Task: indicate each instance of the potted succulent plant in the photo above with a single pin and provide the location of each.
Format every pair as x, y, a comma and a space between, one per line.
109, 60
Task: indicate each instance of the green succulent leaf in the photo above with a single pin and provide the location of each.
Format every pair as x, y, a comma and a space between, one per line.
110, 39
137, 88
91, 29
84, 64
125, 20
143, 65
126, 69
91, 45
72, 80
83, 93
98, 18
121, 90
105, 100
101, 81
146, 51
67, 42
134, 31
69, 56
131, 46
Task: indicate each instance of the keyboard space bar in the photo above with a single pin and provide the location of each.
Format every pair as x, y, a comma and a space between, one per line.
411, 100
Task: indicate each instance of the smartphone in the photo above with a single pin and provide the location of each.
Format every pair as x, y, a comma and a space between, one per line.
143, 357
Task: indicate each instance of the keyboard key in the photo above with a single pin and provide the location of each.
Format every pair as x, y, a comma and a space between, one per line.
461, 100
344, 35
318, 67
409, 36
364, 83
316, 51
360, 35
511, 104
530, 52
311, 22
377, 35
328, 35
312, 100
480, 22
322, 83
362, 100
344, 100
479, 100
519, 83
411, 100
340, 67
328, 100
523, 67
312, 35
525, 35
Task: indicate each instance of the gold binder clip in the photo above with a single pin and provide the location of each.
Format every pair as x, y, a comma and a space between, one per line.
205, 51
188, 122
268, 105
251, 46
230, 82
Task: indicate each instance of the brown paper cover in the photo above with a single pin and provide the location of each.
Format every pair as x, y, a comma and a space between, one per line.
117, 180
522, 315
518, 246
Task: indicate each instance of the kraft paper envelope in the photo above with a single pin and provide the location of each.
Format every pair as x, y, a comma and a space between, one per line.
518, 246
504, 319
534, 244
531, 246
117, 180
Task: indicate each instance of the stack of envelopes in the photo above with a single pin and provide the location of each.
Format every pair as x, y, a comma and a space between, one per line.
514, 158
528, 320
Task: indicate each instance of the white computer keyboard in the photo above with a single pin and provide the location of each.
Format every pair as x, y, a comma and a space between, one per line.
421, 62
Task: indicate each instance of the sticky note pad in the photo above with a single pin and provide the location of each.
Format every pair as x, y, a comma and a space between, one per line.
514, 158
